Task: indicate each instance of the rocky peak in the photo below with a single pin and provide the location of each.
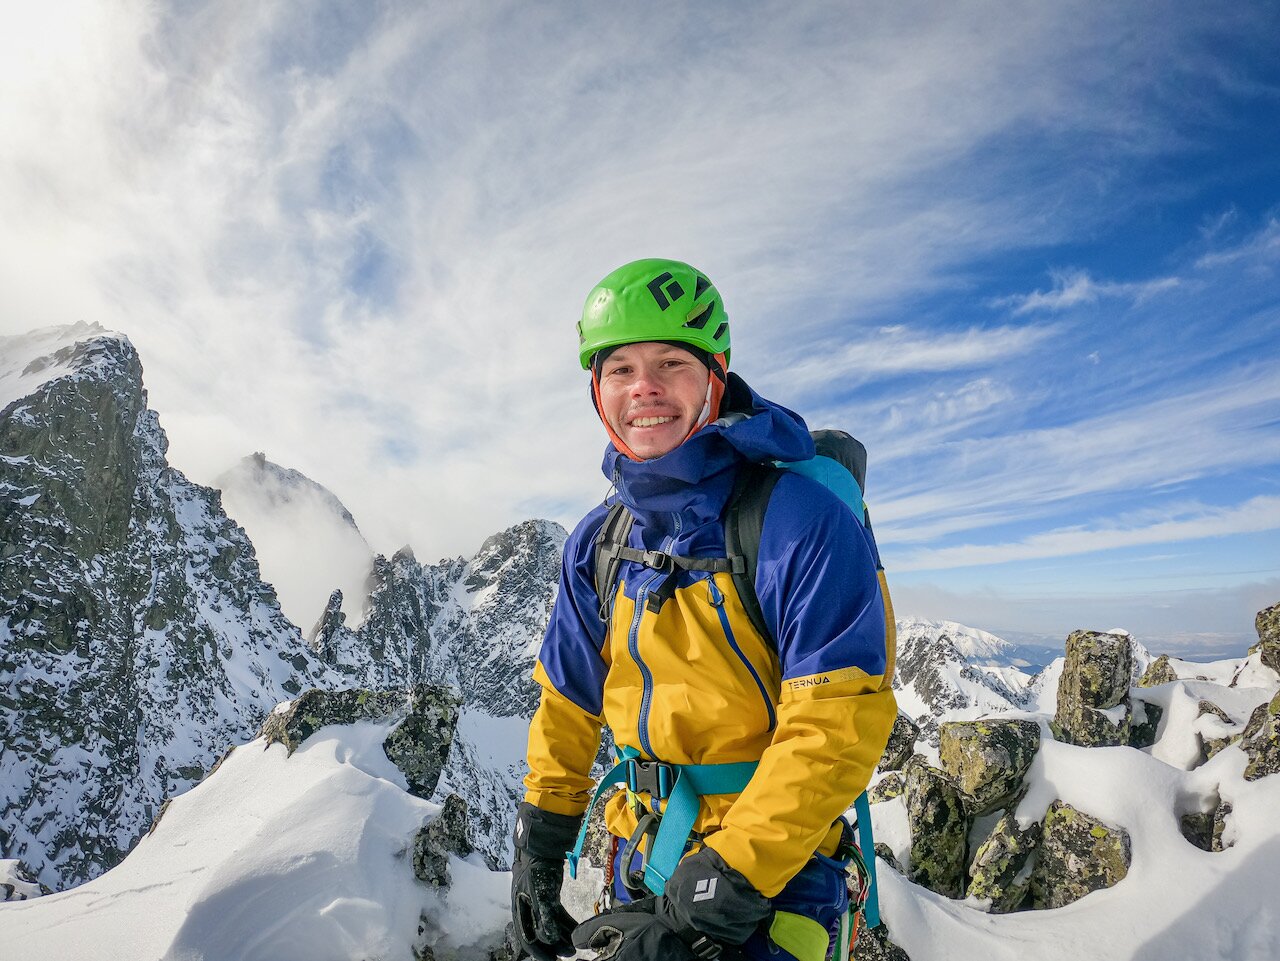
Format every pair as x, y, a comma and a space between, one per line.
138, 638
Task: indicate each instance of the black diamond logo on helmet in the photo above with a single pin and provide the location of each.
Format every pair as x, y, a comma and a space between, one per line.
665, 289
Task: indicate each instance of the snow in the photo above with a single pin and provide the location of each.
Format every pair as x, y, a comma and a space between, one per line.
29, 360
309, 856
1177, 901
286, 857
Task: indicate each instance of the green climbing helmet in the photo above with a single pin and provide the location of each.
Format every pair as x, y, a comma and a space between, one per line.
653, 299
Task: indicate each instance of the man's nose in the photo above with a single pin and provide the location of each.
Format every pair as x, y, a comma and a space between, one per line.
645, 384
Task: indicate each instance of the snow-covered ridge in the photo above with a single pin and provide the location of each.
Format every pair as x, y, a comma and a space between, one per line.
30, 360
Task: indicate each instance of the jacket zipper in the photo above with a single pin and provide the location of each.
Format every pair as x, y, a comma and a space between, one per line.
717, 601
633, 644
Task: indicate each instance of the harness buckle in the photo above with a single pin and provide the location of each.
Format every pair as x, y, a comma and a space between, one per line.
705, 949
659, 561
655, 778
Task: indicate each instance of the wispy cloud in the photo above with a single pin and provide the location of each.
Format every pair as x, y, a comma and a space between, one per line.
1072, 288
1034, 473
1256, 514
356, 236
1260, 247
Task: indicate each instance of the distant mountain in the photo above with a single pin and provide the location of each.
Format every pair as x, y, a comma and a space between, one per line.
307, 542
946, 671
474, 624
137, 637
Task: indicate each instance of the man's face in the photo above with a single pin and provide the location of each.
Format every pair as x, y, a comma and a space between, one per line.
651, 395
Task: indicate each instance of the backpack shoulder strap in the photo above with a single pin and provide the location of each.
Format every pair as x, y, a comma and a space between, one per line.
612, 538
743, 524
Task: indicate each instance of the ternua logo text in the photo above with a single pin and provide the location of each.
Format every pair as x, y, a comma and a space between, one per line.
810, 681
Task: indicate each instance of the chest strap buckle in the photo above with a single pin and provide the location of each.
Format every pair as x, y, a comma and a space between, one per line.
656, 778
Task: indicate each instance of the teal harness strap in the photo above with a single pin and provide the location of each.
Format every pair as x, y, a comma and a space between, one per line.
680, 790
868, 846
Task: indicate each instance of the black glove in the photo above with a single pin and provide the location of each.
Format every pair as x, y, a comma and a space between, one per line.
631, 932
707, 905
541, 925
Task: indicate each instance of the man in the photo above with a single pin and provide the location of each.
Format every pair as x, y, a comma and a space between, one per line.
669, 659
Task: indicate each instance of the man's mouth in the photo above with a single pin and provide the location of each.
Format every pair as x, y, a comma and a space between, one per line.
651, 421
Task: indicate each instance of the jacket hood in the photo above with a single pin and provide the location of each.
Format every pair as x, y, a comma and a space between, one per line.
751, 429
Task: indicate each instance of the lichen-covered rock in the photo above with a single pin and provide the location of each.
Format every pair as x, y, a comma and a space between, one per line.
1267, 624
1078, 855
902, 743
1197, 828
1263, 748
1001, 869
1204, 828
887, 788
445, 835
1256, 719
1158, 672
874, 944
885, 855
1093, 693
294, 722
939, 830
1220, 815
988, 759
418, 745
1145, 724
1217, 734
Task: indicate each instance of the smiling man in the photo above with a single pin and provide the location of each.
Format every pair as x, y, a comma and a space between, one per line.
748, 694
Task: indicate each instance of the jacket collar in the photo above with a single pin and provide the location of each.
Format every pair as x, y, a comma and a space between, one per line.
691, 484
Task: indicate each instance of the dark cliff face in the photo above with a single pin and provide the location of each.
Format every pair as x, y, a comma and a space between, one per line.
137, 638
474, 624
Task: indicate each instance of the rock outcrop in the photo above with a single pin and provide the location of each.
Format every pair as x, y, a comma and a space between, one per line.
1078, 854
1267, 624
988, 759
1093, 693
1145, 725
418, 745
902, 744
445, 835
939, 830
1262, 747
1158, 672
1000, 871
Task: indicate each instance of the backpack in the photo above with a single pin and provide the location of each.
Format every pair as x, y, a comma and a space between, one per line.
840, 465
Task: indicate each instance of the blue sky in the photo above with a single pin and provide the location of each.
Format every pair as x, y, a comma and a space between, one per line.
1028, 253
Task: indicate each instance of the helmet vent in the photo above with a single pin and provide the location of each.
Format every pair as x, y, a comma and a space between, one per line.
699, 318
720, 331
702, 286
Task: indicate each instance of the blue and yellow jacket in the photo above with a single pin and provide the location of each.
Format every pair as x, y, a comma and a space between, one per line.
693, 682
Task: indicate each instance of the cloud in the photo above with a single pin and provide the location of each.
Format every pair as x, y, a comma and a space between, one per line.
357, 236
1021, 475
1073, 288
1256, 514
1261, 247
1207, 624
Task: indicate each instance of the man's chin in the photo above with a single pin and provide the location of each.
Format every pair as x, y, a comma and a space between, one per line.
653, 449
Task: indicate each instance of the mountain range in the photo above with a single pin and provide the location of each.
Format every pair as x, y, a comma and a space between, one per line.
142, 632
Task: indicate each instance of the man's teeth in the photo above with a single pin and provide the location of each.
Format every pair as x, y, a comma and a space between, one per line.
651, 421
